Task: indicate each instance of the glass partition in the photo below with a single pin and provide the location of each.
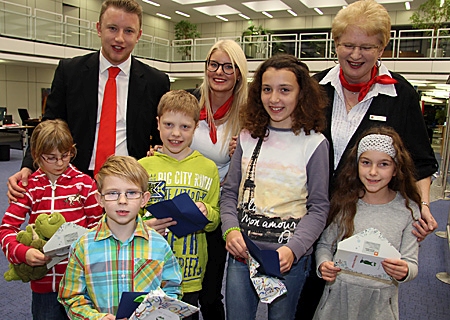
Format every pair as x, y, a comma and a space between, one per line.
15, 20
48, 26
77, 32
313, 45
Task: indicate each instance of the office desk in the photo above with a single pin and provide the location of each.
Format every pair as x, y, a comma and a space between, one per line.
15, 136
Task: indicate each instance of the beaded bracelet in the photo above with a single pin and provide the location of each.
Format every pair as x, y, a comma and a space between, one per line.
228, 231
426, 204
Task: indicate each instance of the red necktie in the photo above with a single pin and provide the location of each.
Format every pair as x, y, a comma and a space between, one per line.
106, 141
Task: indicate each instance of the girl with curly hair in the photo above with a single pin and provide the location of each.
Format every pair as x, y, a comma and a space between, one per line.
276, 191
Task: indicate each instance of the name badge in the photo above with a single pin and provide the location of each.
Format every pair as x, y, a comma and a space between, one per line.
377, 118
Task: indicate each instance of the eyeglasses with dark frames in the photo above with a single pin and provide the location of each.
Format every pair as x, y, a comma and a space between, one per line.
228, 68
52, 159
114, 195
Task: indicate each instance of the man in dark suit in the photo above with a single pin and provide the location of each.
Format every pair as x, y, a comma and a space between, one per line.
78, 85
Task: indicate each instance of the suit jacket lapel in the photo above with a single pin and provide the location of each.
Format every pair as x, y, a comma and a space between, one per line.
136, 88
89, 76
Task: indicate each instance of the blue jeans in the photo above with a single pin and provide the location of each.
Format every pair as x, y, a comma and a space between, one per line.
242, 299
45, 306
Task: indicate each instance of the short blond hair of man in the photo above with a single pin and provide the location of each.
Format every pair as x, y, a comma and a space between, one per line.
129, 6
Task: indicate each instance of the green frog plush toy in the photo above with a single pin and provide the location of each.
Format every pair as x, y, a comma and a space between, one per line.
36, 236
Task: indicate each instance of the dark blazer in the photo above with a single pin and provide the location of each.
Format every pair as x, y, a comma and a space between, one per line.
402, 113
74, 98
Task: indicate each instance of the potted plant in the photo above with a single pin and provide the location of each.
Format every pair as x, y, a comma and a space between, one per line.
257, 37
431, 15
185, 30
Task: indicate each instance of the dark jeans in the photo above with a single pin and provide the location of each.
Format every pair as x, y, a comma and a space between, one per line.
311, 294
211, 304
191, 298
45, 306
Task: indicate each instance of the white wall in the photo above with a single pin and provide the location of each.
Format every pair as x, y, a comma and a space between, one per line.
20, 87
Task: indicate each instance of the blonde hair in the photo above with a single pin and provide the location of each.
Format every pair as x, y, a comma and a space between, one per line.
124, 167
367, 15
231, 120
48, 136
179, 101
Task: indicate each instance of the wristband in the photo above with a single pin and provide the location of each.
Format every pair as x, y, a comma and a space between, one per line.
228, 231
425, 204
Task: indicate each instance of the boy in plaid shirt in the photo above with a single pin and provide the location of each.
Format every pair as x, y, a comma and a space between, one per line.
121, 254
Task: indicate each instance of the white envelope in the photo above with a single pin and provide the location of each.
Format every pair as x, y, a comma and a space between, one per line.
363, 253
59, 244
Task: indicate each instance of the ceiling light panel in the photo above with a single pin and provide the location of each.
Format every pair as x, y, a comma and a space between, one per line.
222, 18
163, 16
181, 13
152, 3
324, 3
220, 10
260, 6
192, 1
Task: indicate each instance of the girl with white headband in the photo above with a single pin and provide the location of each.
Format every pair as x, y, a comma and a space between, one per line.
375, 189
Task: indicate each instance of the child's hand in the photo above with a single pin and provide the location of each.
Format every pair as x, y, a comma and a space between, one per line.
110, 317
329, 270
235, 244
201, 206
286, 257
396, 268
36, 258
160, 225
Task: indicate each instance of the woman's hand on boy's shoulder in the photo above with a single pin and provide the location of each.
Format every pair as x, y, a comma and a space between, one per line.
111, 317
153, 149
14, 190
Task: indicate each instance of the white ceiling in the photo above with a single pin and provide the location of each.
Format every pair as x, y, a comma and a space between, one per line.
277, 8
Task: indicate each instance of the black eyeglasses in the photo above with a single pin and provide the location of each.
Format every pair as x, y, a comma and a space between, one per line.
114, 196
213, 66
52, 159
